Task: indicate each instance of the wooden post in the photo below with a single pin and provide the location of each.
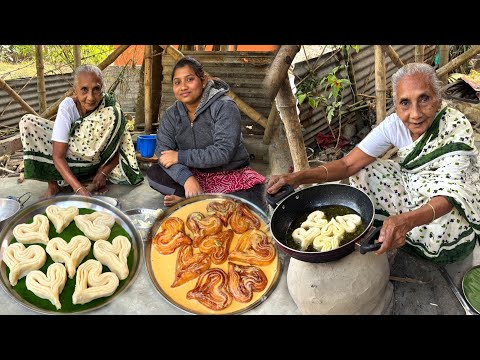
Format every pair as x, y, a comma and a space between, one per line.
459, 60
77, 56
419, 53
272, 121
392, 54
52, 110
16, 97
243, 106
147, 81
380, 84
443, 61
279, 69
42, 98
286, 103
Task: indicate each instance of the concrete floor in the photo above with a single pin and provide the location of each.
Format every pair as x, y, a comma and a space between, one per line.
419, 288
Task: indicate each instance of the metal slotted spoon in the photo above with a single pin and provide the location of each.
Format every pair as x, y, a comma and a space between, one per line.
446, 275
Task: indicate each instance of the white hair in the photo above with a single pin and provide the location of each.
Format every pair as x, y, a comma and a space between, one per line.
417, 68
92, 69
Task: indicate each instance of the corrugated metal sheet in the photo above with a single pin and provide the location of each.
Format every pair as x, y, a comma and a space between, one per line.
313, 120
11, 111
243, 71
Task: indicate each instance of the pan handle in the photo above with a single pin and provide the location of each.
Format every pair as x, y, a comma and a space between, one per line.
367, 244
281, 194
20, 197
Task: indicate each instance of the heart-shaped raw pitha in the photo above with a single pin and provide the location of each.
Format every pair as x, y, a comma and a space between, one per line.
92, 284
21, 260
114, 254
71, 253
36, 232
48, 287
61, 217
95, 226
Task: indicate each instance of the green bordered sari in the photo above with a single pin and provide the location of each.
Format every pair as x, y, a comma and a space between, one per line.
94, 139
443, 161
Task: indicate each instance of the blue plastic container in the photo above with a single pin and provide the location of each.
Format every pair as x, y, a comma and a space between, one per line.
146, 145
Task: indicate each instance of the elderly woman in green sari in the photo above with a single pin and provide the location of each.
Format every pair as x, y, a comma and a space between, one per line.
87, 141
428, 200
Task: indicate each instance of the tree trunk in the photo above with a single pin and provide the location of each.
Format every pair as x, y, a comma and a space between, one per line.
286, 103
42, 98
279, 69
459, 60
279, 156
244, 107
419, 53
272, 122
52, 110
157, 78
443, 61
147, 81
77, 56
380, 84
392, 54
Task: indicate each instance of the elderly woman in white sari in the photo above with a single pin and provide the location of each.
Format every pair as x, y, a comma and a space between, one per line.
87, 142
428, 200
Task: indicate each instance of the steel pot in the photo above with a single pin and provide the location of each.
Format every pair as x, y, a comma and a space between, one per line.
301, 202
10, 205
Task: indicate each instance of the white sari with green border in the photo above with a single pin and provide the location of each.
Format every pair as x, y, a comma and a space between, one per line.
443, 161
94, 139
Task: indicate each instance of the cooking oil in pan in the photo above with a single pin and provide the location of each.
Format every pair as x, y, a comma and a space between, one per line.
330, 212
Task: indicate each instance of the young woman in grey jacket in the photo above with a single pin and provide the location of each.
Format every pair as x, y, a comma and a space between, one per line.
199, 142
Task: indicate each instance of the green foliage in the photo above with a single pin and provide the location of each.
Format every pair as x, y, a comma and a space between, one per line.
326, 91
55, 54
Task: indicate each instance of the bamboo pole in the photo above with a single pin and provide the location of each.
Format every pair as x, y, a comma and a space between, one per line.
286, 103
77, 56
232, 47
272, 121
52, 110
279, 69
419, 53
459, 60
380, 84
243, 106
16, 97
42, 99
443, 61
147, 81
392, 54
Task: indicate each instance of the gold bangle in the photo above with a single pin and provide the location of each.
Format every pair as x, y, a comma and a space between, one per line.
434, 214
326, 170
106, 176
76, 191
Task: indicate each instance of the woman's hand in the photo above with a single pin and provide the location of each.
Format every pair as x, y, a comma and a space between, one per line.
192, 187
276, 182
394, 231
99, 181
83, 191
168, 158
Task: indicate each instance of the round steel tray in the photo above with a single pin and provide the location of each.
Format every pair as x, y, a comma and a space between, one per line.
148, 248
6, 235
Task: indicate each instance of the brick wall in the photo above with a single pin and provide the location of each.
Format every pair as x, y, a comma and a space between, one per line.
127, 91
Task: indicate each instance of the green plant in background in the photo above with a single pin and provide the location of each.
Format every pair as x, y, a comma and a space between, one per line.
327, 90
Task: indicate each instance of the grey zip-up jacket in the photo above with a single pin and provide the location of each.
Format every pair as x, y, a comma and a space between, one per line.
212, 142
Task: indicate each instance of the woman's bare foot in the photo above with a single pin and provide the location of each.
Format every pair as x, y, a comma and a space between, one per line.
170, 200
53, 189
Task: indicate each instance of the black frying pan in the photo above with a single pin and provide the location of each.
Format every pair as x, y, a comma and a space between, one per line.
298, 203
